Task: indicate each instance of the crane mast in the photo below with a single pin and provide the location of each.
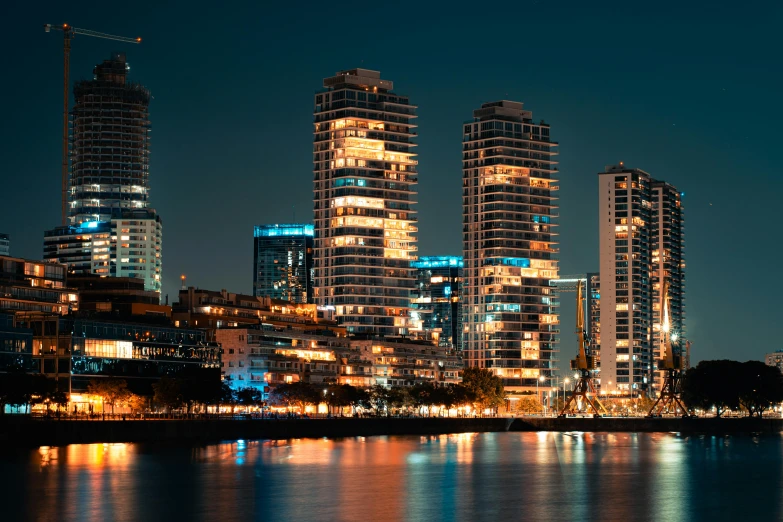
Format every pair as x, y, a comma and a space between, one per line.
670, 363
68, 34
583, 395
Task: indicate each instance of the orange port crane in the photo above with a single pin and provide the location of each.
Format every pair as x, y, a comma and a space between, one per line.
671, 364
583, 365
69, 32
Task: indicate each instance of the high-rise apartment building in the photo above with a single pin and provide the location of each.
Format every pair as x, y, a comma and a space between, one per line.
641, 243
108, 187
5, 245
437, 300
283, 262
364, 192
510, 245
668, 263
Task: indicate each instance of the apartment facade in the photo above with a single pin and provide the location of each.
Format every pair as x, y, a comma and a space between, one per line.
510, 245
364, 191
283, 262
668, 264
130, 244
641, 237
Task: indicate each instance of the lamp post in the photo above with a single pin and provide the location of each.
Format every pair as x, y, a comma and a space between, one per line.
565, 381
538, 396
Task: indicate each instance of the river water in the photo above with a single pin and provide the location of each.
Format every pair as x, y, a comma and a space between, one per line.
486, 476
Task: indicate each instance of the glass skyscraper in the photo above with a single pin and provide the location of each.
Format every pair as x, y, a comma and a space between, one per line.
510, 245
283, 262
437, 300
364, 192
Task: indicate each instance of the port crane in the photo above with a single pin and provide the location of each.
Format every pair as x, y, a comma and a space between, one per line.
671, 364
583, 365
68, 33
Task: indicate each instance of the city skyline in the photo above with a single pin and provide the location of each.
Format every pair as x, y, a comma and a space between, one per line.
677, 144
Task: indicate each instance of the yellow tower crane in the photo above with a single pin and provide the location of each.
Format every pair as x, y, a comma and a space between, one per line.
670, 363
583, 365
69, 32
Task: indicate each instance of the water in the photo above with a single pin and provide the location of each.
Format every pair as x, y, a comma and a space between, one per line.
490, 476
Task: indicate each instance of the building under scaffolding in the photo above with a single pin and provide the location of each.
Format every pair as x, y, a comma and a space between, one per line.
110, 144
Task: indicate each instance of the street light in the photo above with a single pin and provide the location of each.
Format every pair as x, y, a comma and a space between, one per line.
538, 396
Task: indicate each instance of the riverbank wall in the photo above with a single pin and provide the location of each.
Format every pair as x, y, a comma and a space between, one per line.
27, 432
39, 432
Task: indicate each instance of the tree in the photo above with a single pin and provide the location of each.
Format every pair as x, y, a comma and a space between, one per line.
485, 385
340, 396
379, 399
731, 385
227, 396
462, 395
398, 398
713, 384
761, 387
297, 393
111, 390
18, 387
423, 394
249, 396
529, 404
168, 393
358, 398
136, 403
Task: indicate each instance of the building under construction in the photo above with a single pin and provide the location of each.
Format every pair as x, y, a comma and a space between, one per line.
109, 218
110, 144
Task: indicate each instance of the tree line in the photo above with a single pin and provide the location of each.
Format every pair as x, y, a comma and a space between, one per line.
725, 385
479, 388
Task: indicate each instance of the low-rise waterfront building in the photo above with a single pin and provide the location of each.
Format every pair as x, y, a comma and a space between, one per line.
16, 346
402, 362
34, 286
212, 310
74, 351
266, 356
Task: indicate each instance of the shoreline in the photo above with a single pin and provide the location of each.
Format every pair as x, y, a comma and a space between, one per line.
28, 432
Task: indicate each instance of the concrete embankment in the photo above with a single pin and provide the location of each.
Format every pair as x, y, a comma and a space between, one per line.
38, 432
641, 424
26, 432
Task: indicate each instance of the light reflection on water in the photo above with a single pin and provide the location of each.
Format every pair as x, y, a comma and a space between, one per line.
488, 476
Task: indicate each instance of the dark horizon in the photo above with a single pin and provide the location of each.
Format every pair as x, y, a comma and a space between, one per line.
683, 93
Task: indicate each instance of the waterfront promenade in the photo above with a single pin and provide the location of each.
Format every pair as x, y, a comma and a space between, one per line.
31, 432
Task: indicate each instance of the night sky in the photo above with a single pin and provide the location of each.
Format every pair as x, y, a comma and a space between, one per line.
689, 94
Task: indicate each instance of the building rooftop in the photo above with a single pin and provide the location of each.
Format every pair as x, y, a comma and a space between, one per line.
287, 229
504, 110
359, 78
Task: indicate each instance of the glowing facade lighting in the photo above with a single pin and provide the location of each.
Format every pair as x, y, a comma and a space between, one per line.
510, 248
365, 178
